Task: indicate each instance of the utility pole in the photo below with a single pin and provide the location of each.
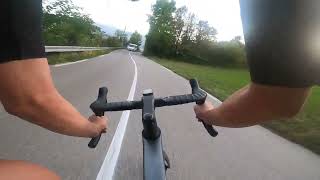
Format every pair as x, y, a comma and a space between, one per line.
124, 35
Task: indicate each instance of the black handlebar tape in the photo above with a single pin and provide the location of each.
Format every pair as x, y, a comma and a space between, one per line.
195, 87
181, 99
194, 84
210, 129
102, 98
94, 142
123, 106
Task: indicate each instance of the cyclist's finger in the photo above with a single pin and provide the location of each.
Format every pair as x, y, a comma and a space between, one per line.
100, 122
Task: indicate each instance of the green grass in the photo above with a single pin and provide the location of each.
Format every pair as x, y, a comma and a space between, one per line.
58, 58
222, 82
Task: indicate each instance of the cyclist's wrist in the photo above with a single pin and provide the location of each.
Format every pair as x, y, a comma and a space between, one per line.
223, 117
83, 128
213, 117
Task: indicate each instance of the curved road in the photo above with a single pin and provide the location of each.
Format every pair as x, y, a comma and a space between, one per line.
236, 154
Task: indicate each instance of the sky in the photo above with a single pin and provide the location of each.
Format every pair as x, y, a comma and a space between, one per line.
224, 15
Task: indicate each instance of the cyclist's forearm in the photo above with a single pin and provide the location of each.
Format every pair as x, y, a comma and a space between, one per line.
54, 113
238, 111
255, 104
27, 91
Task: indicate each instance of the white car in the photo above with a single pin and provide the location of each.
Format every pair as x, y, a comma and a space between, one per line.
132, 47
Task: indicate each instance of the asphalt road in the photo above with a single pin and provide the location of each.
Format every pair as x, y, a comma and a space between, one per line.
236, 154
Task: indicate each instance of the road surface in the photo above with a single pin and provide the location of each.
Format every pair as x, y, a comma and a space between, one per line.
236, 154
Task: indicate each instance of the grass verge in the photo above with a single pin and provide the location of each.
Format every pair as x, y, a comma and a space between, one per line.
58, 58
221, 82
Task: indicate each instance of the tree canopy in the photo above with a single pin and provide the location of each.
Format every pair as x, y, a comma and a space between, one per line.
136, 38
65, 24
178, 32
161, 37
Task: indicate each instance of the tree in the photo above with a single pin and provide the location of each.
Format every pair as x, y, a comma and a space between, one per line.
65, 24
177, 32
136, 38
161, 37
122, 36
113, 42
188, 33
179, 24
237, 38
205, 32
62, 8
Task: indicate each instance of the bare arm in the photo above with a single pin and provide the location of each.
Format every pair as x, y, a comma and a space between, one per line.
254, 104
27, 91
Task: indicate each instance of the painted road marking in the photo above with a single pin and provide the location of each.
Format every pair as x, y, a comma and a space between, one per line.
64, 64
107, 169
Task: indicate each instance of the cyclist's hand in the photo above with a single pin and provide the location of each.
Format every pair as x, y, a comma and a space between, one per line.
202, 112
100, 123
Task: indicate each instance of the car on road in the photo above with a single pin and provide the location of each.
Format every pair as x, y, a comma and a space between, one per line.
132, 47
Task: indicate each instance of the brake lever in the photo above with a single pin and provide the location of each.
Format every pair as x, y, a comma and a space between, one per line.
195, 87
210, 129
102, 98
94, 142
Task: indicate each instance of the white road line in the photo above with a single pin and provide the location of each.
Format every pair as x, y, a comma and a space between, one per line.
64, 64
167, 69
107, 169
214, 98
